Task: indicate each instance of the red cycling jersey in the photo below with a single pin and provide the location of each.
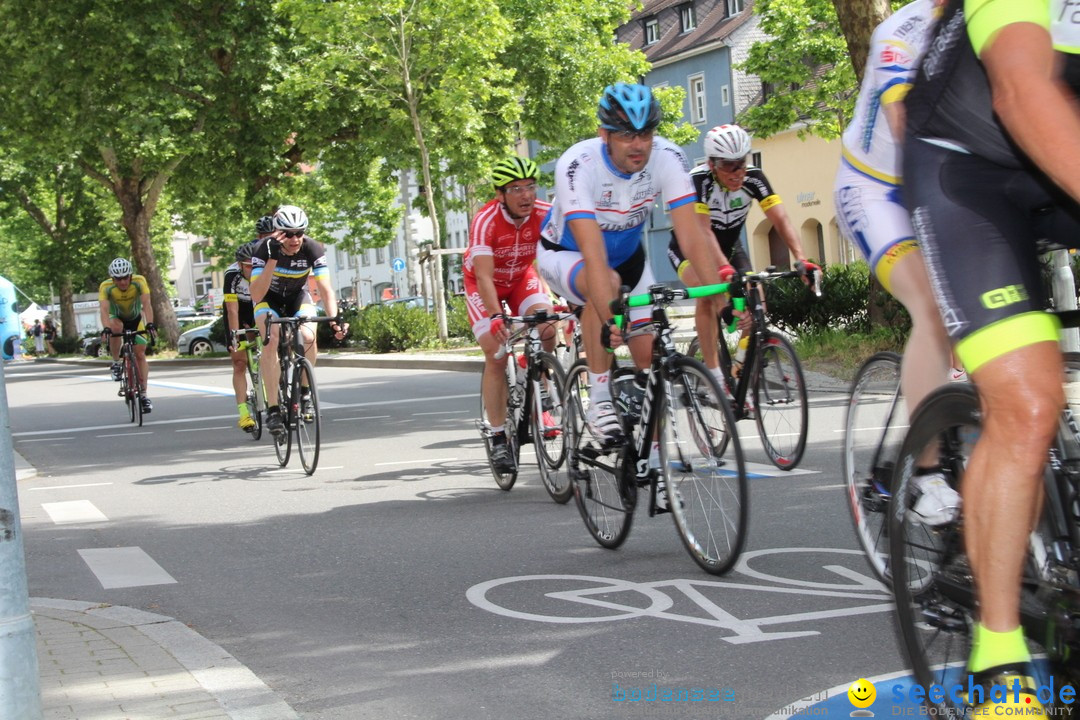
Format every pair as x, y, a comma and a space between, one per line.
512, 248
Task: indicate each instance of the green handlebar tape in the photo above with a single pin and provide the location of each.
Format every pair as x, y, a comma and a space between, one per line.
707, 290
739, 303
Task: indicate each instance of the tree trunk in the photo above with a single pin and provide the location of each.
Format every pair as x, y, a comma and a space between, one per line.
136, 221
67, 309
858, 18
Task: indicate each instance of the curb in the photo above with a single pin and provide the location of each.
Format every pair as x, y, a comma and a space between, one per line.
239, 691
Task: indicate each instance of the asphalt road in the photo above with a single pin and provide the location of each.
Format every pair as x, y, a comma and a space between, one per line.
400, 582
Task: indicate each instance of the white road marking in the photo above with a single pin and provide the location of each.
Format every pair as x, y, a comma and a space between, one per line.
125, 567
187, 421
74, 511
127, 434
50, 439
416, 462
444, 412
364, 417
69, 487
204, 429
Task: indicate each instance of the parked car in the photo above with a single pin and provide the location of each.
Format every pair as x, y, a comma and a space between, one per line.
92, 346
197, 341
411, 301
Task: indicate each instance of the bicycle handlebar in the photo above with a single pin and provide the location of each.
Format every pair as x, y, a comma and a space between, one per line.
663, 295
528, 322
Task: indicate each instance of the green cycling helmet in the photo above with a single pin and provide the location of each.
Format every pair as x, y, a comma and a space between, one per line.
513, 168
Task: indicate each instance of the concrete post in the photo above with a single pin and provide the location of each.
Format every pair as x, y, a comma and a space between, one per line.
20, 694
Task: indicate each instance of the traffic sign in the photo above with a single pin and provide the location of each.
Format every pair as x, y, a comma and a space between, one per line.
398, 264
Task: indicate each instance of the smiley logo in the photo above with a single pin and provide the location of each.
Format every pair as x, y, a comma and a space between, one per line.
861, 693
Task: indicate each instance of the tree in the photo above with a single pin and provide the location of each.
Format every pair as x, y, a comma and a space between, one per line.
804, 70
857, 19
130, 90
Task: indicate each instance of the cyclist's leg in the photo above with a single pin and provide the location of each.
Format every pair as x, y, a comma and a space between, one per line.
705, 309
528, 297
116, 325
637, 274
302, 306
966, 209
494, 378
141, 365
268, 363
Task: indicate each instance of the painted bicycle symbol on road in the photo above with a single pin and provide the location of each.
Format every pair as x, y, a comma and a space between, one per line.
574, 599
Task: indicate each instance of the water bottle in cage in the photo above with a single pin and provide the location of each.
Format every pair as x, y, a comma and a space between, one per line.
516, 367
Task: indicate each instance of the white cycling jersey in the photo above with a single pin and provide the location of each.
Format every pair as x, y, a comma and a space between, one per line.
588, 185
895, 49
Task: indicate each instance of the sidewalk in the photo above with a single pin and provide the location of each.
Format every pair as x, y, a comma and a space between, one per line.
104, 662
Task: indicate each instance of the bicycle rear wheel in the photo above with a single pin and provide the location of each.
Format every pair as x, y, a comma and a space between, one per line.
548, 428
603, 482
283, 442
873, 430
308, 424
707, 494
780, 403
514, 400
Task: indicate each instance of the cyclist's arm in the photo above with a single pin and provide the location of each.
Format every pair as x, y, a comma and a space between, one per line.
260, 283
484, 272
147, 308
326, 292
697, 244
1023, 71
780, 220
232, 316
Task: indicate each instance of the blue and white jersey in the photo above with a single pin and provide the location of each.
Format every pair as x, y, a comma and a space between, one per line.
588, 185
896, 47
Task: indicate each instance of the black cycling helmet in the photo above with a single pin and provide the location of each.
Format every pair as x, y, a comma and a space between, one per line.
247, 250
513, 168
628, 107
264, 225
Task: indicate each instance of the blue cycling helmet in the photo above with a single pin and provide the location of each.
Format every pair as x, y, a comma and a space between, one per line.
628, 107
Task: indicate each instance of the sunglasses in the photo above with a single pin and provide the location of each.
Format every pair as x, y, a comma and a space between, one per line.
520, 189
293, 233
629, 135
731, 165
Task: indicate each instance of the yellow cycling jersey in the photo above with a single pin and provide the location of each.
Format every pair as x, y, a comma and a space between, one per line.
124, 304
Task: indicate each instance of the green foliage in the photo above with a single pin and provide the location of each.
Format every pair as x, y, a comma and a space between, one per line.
844, 304
671, 104
68, 345
806, 65
394, 328
457, 318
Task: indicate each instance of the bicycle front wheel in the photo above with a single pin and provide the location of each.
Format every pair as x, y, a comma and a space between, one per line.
548, 427
707, 493
604, 487
780, 401
514, 401
283, 441
873, 430
308, 421
931, 575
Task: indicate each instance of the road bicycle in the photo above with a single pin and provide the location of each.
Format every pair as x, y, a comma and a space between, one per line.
931, 576
300, 416
769, 385
874, 428
697, 452
131, 388
256, 393
534, 410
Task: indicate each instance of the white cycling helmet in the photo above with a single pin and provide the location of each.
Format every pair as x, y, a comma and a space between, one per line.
290, 217
727, 142
120, 267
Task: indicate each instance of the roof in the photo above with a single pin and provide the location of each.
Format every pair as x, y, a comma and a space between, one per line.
713, 26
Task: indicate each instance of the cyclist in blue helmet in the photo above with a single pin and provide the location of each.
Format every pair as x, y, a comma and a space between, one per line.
591, 242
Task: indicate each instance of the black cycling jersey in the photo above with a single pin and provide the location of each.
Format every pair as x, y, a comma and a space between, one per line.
951, 101
728, 209
291, 273
238, 290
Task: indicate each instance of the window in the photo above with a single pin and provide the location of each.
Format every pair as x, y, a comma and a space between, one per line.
365, 258
380, 255
734, 7
755, 159
697, 99
198, 256
725, 95
820, 244
652, 31
686, 15
203, 286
